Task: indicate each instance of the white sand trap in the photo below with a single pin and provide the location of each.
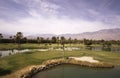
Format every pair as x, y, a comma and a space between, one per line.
85, 58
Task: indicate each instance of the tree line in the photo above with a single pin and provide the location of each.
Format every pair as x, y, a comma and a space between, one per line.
19, 38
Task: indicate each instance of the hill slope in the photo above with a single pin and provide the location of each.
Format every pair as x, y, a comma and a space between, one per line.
106, 34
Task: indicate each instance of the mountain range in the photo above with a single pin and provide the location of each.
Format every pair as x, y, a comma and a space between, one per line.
106, 34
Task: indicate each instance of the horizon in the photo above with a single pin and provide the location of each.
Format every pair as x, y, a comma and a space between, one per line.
58, 17
28, 34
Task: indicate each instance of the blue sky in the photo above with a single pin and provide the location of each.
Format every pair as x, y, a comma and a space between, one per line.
58, 16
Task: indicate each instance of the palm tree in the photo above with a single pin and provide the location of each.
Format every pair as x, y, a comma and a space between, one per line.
70, 41
25, 39
75, 41
1, 36
14, 39
11, 39
48, 40
41, 39
62, 40
19, 37
88, 44
58, 41
107, 46
54, 39
38, 40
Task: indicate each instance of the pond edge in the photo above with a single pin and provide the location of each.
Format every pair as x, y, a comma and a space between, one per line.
30, 71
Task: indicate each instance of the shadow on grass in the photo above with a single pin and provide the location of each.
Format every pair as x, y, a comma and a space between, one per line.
4, 71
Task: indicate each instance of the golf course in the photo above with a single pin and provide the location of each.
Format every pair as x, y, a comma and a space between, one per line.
35, 56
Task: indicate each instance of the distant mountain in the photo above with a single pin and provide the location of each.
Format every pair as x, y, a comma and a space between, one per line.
106, 34
40, 35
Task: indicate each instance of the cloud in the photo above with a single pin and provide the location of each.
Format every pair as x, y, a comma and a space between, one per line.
93, 12
52, 25
55, 16
41, 6
106, 4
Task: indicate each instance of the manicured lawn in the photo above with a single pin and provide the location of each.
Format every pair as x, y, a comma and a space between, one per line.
18, 61
7, 46
15, 62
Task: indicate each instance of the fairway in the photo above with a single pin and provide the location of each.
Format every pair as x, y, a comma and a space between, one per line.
18, 61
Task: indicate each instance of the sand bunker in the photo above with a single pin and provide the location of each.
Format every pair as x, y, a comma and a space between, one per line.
85, 58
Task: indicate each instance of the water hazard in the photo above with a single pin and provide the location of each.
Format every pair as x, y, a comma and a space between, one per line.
14, 51
75, 71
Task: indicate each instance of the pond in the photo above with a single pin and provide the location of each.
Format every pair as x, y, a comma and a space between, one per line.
112, 49
4, 53
75, 71
14, 51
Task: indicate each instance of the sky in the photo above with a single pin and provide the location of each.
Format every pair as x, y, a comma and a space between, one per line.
58, 16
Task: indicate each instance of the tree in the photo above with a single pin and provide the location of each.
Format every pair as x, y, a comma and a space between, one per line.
75, 41
19, 37
11, 39
106, 46
24, 40
48, 40
1, 36
14, 39
42, 39
70, 41
54, 39
38, 40
58, 41
62, 40
88, 44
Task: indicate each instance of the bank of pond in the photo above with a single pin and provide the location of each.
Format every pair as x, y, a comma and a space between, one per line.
35, 70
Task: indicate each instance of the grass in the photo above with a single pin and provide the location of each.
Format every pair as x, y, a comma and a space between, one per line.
8, 46
15, 62
18, 61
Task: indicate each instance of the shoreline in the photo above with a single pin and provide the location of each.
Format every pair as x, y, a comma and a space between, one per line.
29, 71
